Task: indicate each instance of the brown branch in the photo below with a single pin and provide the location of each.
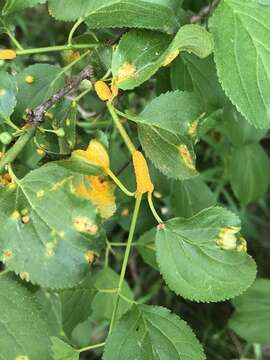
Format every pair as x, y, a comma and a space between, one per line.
36, 116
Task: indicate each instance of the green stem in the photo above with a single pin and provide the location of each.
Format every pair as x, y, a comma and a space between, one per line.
73, 29
14, 40
91, 347
125, 261
152, 208
54, 48
119, 184
257, 351
85, 92
121, 128
13, 152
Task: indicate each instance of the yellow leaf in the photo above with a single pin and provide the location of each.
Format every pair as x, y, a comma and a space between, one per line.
100, 192
96, 154
144, 183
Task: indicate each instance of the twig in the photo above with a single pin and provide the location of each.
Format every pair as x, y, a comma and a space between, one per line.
35, 116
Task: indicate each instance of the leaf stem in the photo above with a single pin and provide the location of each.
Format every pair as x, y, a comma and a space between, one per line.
152, 208
121, 128
125, 261
91, 347
73, 29
13, 152
119, 183
54, 48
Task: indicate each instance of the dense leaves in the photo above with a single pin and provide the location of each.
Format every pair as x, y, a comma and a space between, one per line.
8, 92
251, 319
241, 27
24, 331
148, 332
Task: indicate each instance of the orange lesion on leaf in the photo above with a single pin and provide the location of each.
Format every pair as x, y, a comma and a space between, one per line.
227, 239
90, 256
24, 275
186, 156
22, 357
7, 255
143, 180
125, 72
100, 192
171, 57
85, 225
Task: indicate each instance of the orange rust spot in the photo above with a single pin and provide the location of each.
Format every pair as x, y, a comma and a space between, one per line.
125, 72
161, 226
125, 212
171, 57
25, 276
90, 257
85, 225
185, 154
26, 219
29, 79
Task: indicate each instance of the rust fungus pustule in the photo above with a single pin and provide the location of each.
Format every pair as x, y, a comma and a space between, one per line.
161, 226
85, 225
90, 257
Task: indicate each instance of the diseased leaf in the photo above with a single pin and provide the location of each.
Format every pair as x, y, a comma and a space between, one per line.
249, 172
152, 332
167, 129
63, 351
8, 92
251, 319
150, 14
24, 331
242, 55
12, 6
37, 83
104, 301
202, 258
49, 235
141, 53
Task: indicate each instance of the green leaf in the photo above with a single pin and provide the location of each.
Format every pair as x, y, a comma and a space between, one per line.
104, 301
238, 25
189, 72
63, 351
141, 53
47, 79
188, 197
193, 262
76, 304
147, 248
152, 333
8, 92
12, 6
43, 216
249, 172
23, 328
251, 319
167, 128
237, 129
150, 14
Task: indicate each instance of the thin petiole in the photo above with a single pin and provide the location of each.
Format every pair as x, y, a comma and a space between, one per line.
152, 208
121, 128
119, 184
54, 48
91, 347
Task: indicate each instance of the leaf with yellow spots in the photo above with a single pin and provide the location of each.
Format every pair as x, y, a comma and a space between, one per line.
164, 132
61, 228
141, 53
8, 92
25, 329
199, 259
